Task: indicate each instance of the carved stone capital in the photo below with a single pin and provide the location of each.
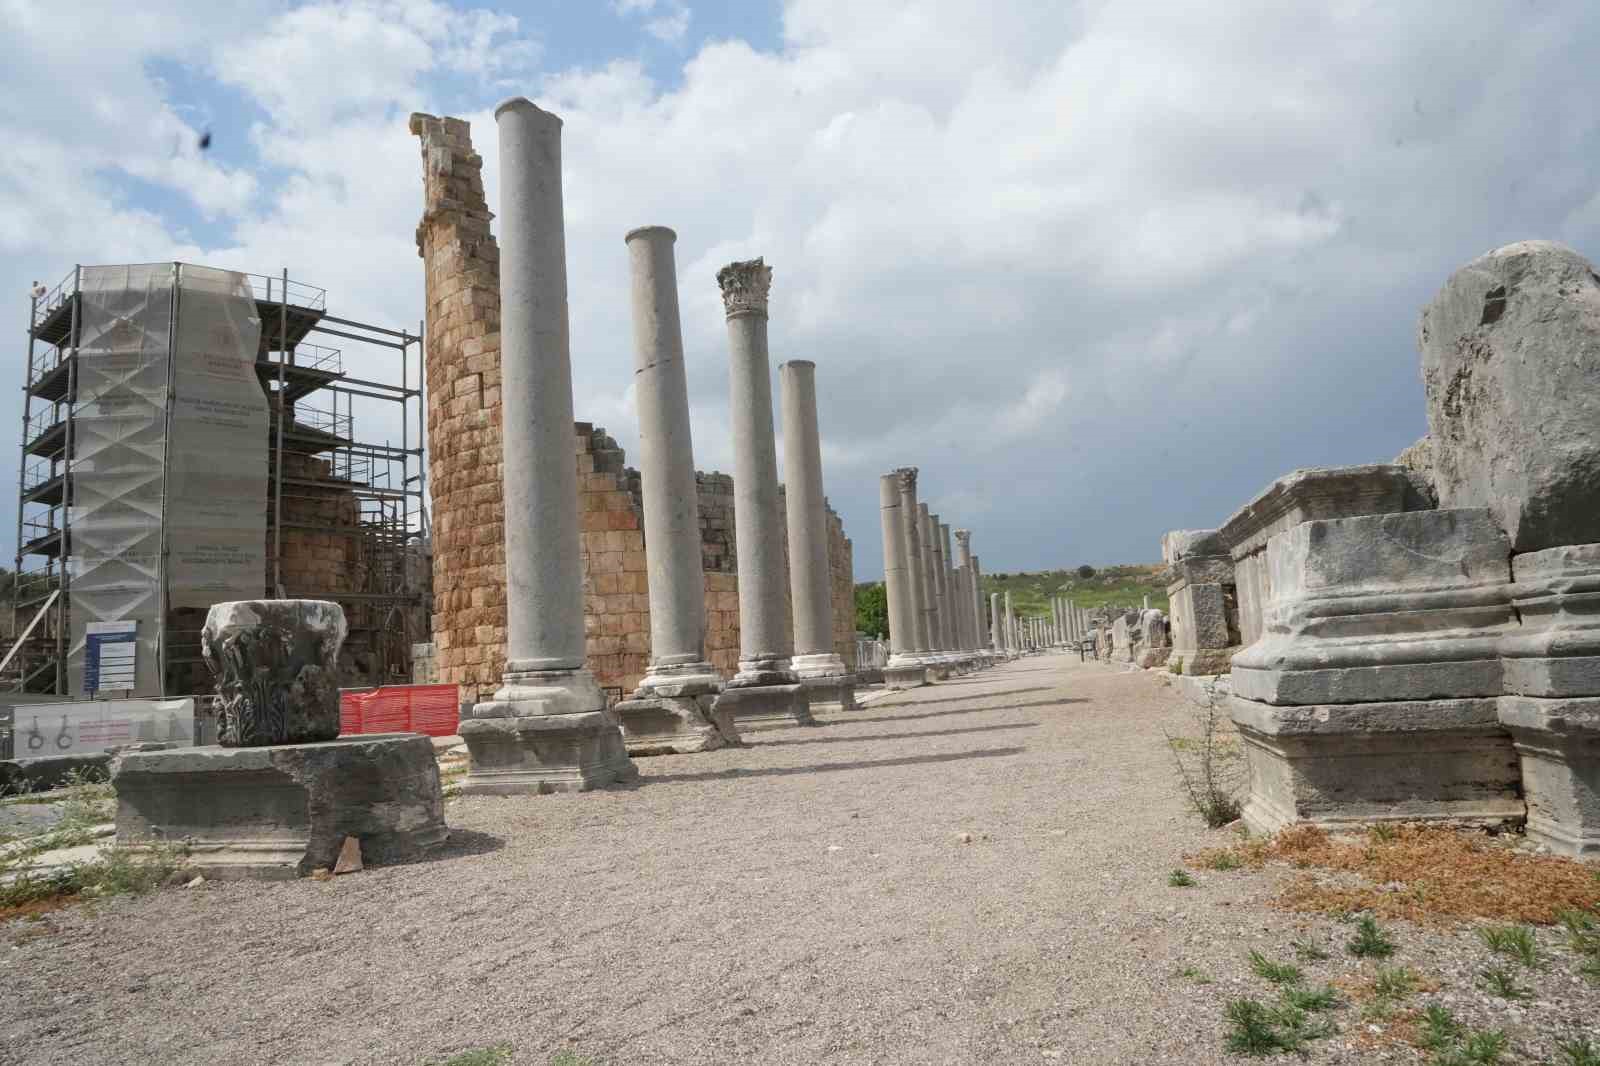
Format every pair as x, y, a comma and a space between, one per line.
906, 477
744, 287
963, 539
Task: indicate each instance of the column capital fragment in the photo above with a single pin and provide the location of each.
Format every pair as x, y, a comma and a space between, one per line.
744, 287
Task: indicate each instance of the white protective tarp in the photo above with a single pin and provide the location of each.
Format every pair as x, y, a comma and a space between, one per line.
217, 451
170, 427
95, 725
117, 461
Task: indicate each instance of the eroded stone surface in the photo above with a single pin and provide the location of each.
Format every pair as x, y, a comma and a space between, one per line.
1511, 368
277, 669
281, 811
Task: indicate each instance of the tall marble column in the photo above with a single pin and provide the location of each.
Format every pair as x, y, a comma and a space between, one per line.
671, 712
968, 597
904, 668
980, 629
765, 688
911, 526
933, 568
947, 576
820, 669
1011, 627
997, 638
547, 729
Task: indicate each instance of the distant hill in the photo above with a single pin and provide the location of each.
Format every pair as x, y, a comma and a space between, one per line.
1118, 586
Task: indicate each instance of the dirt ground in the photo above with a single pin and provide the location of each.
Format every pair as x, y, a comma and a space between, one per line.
972, 872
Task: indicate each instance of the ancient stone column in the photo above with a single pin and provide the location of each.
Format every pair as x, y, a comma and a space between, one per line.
917, 585
547, 728
947, 580
826, 679
997, 638
1011, 627
979, 630
904, 669
968, 597
933, 569
671, 711
765, 688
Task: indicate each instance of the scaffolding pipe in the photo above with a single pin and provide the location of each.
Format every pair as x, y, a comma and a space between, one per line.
64, 582
277, 493
22, 460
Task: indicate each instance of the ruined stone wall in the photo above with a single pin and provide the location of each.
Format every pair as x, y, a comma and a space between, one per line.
318, 562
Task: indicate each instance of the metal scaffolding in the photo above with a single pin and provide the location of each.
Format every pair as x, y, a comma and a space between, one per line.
317, 463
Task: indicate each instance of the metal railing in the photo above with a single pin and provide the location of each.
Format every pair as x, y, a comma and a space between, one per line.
53, 299
334, 423
871, 654
312, 357
269, 289
38, 472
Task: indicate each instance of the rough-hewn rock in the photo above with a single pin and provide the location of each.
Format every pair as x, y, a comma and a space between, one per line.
277, 669
1511, 367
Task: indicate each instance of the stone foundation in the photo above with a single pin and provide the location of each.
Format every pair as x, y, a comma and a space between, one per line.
281, 811
758, 706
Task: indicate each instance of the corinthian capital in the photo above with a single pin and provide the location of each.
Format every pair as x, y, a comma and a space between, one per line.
906, 477
964, 539
744, 287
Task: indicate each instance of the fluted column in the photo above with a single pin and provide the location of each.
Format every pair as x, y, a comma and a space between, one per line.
547, 728
979, 630
766, 641
904, 667
933, 570
947, 581
671, 711
968, 599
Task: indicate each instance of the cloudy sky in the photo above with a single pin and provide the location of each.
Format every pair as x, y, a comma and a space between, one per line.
1100, 269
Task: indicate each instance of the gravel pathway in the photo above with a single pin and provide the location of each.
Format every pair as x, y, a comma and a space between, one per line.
973, 872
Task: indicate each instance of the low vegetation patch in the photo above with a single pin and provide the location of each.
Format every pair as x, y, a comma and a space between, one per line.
1211, 767
1421, 874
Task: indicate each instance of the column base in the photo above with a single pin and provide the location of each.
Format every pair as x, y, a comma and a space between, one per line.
1558, 743
280, 811
1416, 760
544, 731
905, 675
674, 713
1204, 661
831, 691
755, 706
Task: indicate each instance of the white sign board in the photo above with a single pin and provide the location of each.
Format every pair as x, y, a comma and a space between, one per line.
95, 725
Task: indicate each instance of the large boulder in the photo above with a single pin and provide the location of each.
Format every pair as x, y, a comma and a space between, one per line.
1511, 367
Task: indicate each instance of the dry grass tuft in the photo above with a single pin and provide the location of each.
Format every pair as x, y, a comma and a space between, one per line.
1422, 874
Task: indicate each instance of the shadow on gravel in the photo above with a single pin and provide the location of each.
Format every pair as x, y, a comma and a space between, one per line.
891, 736
959, 710
460, 844
819, 768
961, 699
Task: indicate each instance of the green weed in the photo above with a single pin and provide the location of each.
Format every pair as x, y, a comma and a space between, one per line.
1370, 942
1279, 973
1306, 951
1180, 879
1516, 941
1579, 1051
1503, 983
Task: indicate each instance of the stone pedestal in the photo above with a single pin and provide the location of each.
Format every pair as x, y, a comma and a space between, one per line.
282, 810
547, 728
756, 706
1372, 691
1203, 601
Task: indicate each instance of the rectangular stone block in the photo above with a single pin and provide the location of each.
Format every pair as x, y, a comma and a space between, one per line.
1558, 743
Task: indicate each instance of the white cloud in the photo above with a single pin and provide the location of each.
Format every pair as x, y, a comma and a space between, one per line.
1141, 254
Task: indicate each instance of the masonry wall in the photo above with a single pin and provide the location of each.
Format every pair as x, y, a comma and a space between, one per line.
461, 269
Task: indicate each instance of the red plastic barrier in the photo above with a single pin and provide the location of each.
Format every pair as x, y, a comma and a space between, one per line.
430, 709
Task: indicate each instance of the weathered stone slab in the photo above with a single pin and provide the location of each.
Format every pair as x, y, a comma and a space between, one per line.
277, 669
1336, 764
281, 811
1556, 650
1301, 496
835, 692
1408, 606
675, 719
1511, 368
540, 753
1558, 743
756, 706
905, 675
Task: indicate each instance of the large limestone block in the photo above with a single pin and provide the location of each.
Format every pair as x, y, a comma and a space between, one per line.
1408, 606
1511, 368
282, 810
1558, 742
277, 669
1334, 764
1556, 650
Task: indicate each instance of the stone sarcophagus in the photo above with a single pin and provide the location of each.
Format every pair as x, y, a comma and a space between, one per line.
277, 668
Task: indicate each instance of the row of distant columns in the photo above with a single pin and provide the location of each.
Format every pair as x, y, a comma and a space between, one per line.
934, 593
